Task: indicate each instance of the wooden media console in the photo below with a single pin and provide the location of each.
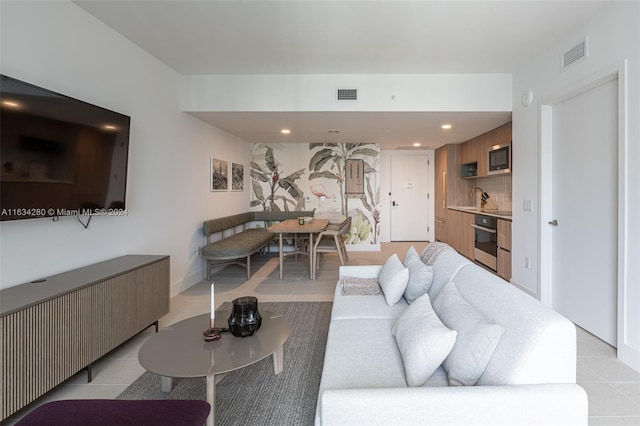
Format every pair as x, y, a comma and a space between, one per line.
51, 329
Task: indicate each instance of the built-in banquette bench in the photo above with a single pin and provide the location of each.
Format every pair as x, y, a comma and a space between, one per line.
236, 241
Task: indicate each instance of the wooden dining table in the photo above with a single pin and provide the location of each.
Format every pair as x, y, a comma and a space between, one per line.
292, 226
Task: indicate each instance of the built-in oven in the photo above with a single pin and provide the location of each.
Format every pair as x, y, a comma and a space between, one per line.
486, 241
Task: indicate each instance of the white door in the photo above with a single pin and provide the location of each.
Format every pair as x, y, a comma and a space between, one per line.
410, 212
584, 204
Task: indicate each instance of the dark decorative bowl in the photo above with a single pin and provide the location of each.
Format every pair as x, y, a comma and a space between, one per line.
245, 318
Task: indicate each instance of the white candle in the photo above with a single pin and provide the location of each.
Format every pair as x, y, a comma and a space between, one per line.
213, 304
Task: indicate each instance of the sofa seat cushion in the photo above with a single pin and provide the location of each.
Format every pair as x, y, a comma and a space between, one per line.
361, 353
364, 307
238, 245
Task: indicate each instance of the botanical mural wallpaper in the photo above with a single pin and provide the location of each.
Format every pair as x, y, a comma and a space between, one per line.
311, 176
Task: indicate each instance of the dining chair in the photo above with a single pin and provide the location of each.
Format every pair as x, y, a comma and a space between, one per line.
332, 240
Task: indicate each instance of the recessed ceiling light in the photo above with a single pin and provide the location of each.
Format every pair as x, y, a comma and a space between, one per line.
417, 144
446, 126
10, 104
109, 127
285, 131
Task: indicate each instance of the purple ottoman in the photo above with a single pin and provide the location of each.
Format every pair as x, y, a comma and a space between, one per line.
108, 412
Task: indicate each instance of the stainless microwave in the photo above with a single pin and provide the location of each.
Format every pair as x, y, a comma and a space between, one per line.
499, 159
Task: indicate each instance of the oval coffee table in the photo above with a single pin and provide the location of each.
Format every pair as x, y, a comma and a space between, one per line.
180, 351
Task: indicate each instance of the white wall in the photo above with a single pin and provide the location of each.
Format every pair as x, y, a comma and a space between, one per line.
614, 36
60, 47
412, 92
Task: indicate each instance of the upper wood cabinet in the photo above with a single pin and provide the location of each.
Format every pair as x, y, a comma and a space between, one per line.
450, 189
440, 182
477, 149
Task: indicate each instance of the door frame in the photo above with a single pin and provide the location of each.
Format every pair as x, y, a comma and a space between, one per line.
545, 267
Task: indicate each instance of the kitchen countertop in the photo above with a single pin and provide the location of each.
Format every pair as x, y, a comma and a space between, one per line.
500, 214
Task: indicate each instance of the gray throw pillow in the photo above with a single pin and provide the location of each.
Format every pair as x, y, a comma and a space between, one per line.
424, 342
477, 337
393, 279
420, 276
354, 286
432, 251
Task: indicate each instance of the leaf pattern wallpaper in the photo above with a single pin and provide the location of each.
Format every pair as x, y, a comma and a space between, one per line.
294, 177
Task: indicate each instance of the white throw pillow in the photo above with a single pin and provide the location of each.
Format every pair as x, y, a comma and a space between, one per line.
477, 337
424, 342
393, 279
420, 276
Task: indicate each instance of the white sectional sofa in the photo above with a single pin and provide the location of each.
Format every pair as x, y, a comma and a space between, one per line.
530, 378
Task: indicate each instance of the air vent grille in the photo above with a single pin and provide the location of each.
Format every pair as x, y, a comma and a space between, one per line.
574, 54
347, 94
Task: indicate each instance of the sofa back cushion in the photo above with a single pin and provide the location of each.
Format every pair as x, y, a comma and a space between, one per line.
538, 345
477, 338
445, 268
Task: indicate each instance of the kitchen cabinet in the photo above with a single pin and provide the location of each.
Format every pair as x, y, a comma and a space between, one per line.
504, 249
476, 150
440, 183
460, 232
450, 190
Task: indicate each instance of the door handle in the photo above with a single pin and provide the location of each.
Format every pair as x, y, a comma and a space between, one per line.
393, 203
484, 228
554, 222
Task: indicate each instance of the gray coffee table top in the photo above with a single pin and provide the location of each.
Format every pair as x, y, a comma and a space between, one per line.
180, 350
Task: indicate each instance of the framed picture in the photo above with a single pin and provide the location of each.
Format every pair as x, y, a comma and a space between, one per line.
219, 175
237, 177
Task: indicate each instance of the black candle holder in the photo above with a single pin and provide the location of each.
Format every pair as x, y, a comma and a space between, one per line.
212, 333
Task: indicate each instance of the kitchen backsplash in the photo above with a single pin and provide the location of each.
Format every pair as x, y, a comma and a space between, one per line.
498, 188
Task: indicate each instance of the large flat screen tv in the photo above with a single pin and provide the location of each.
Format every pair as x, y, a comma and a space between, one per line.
59, 156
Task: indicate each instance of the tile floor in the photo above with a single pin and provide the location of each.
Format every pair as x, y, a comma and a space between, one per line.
613, 388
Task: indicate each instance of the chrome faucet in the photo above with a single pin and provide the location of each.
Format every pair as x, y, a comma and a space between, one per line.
477, 188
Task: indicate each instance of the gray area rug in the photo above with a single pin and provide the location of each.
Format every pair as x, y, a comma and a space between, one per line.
255, 395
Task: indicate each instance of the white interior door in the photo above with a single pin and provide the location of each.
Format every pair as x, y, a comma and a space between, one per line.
410, 212
584, 205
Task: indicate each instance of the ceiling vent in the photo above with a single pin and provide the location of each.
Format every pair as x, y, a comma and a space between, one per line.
574, 54
347, 95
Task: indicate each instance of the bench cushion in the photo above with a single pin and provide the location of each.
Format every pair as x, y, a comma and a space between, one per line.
238, 245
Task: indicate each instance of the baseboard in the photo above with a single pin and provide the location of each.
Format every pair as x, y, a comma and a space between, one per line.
189, 281
629, 356
363, 247
523, 288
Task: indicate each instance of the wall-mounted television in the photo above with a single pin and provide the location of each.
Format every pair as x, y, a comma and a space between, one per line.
59, 156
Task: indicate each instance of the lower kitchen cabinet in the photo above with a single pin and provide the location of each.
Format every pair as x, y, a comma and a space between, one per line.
504, 263
460, 233
504, 249
441, 229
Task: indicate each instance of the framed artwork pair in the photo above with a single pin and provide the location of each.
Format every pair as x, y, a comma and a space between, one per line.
219, 176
